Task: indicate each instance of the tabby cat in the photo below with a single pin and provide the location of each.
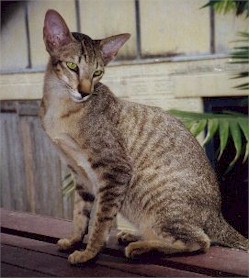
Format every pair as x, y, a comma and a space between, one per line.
129, 158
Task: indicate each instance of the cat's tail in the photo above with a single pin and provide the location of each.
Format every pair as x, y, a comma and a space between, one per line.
225, 235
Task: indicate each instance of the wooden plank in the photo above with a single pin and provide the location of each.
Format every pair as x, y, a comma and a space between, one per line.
48, 183
222, 259
28, 162
105, 27
54, 265
22, 86
12, 157
27, 152
118, 263
35, 224
36, 11
14, 52
215, 261
218, 261
162, 34
12, 271
158, 83
31, 244
6, 195
195, 85
148, 268
227, 26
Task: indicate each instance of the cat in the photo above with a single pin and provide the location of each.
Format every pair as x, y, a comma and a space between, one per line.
127, 157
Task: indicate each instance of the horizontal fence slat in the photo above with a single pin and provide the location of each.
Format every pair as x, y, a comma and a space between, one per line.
158, 81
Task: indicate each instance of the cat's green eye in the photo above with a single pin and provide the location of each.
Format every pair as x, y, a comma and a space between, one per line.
72, 66
98, 73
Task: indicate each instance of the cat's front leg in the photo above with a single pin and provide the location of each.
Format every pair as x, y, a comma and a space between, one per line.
103, 222
82, 208
109, 201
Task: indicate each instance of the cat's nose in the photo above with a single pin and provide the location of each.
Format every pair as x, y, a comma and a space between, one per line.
85, 86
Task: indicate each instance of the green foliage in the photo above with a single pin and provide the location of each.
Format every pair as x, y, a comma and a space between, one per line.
226, 6
240, 55
227, 125
68, 185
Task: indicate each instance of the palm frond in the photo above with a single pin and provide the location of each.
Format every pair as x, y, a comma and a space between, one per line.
225, 6
227, 125
245, 129
237, 139
240, 55
68, 185
212, 127
223, 135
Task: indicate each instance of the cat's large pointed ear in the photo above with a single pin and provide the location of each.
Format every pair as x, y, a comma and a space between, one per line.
111, 45
55, 31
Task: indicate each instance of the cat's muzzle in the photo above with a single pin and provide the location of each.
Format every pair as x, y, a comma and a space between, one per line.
79, 97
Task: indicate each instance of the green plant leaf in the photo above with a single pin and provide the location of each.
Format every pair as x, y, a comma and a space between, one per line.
188, 123
243, 86
69, 175
223, 134
240, 55
243, 122
198, 127
236, 136
226, 123
69, 188
246, 152
241, 75
224, 6
245, 128
68, 184
212, 127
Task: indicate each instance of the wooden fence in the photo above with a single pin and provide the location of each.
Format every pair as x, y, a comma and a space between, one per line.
159, 28
176, 52
31, 171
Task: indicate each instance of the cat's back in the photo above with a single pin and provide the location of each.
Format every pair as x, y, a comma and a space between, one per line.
151, 132
170, 165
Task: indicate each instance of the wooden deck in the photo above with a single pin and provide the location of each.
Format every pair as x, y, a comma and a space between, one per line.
28, 249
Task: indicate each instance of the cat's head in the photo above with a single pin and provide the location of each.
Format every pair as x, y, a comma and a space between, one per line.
78, 60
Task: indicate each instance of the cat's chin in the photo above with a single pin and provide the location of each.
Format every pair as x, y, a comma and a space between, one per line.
79, 98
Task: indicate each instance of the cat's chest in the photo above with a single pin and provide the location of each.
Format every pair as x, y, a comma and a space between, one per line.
61, 134
52, 123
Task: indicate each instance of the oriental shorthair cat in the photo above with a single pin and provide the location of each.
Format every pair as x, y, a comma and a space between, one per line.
128, 158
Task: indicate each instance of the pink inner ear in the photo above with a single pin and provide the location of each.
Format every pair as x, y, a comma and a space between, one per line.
110, 46
56, 33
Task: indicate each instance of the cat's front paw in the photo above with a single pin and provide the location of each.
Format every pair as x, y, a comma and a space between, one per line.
80, 257
64, 244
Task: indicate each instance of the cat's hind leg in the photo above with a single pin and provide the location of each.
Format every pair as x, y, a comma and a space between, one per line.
172, 240
125, 237
82, 208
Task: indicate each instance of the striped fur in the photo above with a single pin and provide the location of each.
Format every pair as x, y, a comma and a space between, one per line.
128, 158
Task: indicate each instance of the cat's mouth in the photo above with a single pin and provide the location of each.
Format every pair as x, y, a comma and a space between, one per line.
79, 97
